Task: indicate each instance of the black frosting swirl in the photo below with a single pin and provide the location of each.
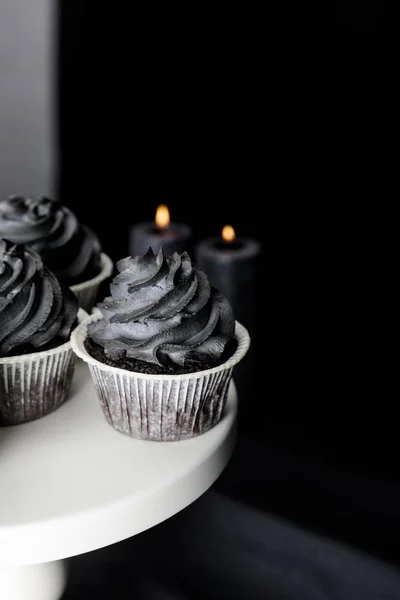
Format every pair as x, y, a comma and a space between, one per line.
36, 311
69, 249
163, 311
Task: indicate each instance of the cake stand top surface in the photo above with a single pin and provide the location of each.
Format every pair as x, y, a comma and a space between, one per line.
70, 483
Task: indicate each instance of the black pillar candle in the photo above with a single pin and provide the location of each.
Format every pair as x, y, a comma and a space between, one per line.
172, 237
232, 266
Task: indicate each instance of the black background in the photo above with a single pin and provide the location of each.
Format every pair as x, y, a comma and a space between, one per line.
268, 122
149, 115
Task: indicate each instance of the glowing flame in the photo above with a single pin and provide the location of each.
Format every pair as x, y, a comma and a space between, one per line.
162, 216
228, 234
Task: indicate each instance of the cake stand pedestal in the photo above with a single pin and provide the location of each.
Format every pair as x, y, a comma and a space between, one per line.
70, 484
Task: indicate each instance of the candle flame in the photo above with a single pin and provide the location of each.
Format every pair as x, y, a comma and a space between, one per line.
162, 216
228, 233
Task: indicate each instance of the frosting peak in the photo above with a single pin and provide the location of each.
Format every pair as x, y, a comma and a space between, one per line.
163, 311
35, 310
69, 249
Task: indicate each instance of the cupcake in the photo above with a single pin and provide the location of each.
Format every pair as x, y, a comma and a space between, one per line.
37, 314
69, 249
161, 349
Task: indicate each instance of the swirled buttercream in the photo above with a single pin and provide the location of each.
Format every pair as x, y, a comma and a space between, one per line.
162, 310
69, 249
36, 310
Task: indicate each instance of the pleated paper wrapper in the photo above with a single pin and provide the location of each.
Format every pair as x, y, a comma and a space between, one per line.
34, 385
161, 407
87, 291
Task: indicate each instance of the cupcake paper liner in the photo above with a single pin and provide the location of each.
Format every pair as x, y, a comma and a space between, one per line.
34, 385
86, 292
160, 407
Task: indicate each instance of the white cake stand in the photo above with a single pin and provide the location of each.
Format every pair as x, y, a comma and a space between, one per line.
69, 484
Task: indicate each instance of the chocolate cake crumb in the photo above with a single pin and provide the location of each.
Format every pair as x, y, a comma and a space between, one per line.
139, 366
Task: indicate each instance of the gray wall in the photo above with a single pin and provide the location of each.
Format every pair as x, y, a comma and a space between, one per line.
26, 97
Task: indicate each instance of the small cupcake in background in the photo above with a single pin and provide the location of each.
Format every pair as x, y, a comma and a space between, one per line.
37, 315
69, 249
161, 349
